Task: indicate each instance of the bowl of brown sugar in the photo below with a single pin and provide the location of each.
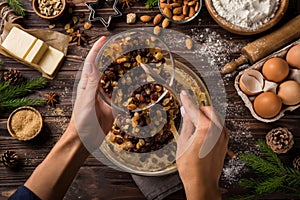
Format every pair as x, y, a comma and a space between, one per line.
25, 123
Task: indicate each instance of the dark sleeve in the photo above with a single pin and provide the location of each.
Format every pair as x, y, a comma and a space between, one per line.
23, 193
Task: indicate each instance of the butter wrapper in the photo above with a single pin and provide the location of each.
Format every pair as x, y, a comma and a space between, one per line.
52, 38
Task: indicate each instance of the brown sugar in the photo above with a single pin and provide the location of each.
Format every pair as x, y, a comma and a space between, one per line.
25, 124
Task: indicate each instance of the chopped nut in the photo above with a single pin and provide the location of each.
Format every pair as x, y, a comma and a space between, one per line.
75, 19
51, 26
87, 25
130, 18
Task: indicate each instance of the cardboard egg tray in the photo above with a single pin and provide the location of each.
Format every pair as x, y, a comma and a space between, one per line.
248, 100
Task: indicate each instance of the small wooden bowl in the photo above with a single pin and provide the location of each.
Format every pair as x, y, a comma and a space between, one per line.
36, 9
37, 118
244, 31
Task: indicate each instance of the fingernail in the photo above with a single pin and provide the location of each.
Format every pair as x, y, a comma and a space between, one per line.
88, 68
183, 92
182, 111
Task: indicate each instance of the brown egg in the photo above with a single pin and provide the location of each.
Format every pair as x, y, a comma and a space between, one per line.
293, 56
267, 105
289, 92
275, 69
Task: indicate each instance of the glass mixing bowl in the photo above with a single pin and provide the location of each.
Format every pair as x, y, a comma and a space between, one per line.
119, 62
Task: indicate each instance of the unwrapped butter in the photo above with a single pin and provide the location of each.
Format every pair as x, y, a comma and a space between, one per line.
18, 42
51, 60
26, 47
37, 51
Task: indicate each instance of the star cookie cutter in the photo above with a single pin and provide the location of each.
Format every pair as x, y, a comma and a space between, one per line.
99, 3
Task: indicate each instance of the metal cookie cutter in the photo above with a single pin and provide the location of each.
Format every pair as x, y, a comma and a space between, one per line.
99, 3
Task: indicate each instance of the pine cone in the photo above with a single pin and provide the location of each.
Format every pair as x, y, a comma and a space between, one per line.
13, 77
296, 163
280, 140
9, 159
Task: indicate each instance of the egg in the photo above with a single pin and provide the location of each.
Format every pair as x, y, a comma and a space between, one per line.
251, 82
289, 92
293, 56
267, 105
275, 69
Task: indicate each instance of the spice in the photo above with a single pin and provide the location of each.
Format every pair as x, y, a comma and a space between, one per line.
250, 14
51, 98
25, 124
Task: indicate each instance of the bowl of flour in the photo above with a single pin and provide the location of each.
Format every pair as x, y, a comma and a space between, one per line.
246, 17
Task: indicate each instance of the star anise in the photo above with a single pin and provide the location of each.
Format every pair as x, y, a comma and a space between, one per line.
127, 3
51, 98
79, 36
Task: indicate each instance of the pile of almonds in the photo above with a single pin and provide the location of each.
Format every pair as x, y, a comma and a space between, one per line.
179, 10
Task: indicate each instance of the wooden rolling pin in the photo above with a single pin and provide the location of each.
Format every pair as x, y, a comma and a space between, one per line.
265, 45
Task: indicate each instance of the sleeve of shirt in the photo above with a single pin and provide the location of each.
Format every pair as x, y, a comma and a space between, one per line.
23, 193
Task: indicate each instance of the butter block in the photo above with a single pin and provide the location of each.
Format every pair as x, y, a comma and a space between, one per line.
37, 51
51, 60
18, 42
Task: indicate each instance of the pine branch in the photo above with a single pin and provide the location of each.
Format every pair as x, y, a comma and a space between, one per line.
270, 185
18, 6
151, 3
260, 165
22, 90
22, 102
3, 85
269, 154
273, 176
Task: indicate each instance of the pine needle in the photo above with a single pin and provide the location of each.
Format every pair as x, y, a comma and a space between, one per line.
3, 85
151, 3
22, 90
272, 175
18, 6
22, 102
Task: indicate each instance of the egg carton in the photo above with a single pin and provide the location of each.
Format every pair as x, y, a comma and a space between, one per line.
248, 100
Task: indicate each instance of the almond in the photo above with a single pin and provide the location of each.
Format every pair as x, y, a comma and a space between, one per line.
145, 18
185, 10
189, 43
174, 5
197, 6
165, 5
156, 30
157, 19
178, 17
167, 12
192, 3
192, 12
165, 23
177, 11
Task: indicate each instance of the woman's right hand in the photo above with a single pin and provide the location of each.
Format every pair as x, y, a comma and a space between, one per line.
201, 150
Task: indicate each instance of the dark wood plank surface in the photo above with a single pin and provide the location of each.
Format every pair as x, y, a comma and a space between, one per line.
95, 180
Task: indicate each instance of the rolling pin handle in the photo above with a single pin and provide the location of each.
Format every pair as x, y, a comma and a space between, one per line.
231, 66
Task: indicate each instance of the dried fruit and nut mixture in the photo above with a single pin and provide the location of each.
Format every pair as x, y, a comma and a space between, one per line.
148, 129
145, 129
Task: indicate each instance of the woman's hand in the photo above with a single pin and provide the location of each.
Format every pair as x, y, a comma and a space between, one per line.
201, 150
51, 179
92, 117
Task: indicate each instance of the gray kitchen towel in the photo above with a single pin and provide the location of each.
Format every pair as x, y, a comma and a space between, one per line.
158, 187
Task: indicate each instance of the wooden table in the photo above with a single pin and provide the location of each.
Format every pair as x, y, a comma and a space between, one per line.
95, 180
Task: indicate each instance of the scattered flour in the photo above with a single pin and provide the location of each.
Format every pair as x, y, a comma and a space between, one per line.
250, 14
